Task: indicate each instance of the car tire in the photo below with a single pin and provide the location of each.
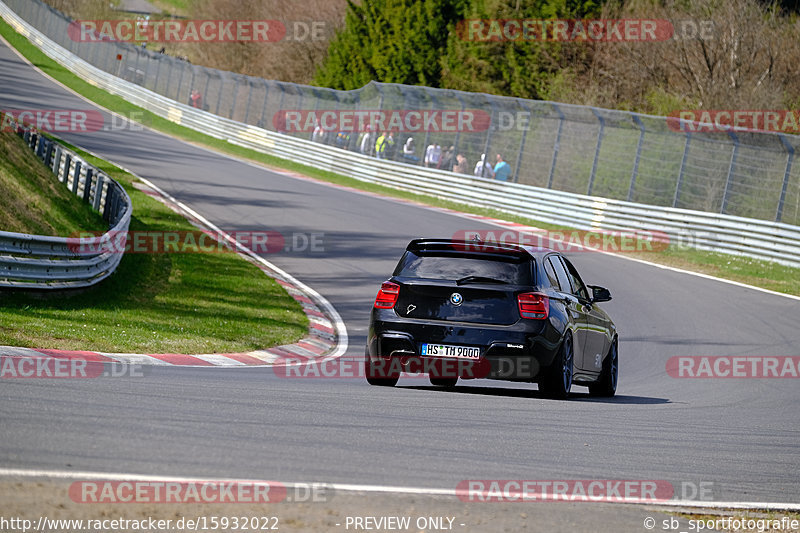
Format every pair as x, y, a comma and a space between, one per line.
375, 377
558, 378
447, 383
606, 385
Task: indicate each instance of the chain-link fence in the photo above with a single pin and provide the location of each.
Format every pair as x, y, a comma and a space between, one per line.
579, 149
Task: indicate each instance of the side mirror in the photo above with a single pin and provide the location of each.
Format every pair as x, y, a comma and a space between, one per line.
599, 294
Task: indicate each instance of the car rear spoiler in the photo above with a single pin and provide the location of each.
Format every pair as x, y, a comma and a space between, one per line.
463, 246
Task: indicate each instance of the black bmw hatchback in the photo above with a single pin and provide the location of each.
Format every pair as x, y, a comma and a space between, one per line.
462, 309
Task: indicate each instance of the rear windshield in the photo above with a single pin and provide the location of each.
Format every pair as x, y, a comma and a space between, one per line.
449, 266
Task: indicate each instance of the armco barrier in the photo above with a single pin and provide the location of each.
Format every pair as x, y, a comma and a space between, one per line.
725, 233
43, 262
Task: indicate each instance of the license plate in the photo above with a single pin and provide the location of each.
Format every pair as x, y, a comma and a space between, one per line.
446, 350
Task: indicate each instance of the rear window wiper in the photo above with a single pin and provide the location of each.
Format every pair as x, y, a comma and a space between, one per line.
479, 279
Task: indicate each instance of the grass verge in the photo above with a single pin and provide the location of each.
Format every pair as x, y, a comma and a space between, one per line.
159, 302
33, 201
745, 270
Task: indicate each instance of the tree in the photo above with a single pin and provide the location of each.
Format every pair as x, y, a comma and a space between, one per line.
522, 68
394, 41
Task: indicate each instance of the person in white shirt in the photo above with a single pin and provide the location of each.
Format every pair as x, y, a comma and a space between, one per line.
436, 156
366, 142
483, 168
319, 134
408, 150
429, 154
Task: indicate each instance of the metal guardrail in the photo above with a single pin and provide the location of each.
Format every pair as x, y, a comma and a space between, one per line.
718, 232
44, 262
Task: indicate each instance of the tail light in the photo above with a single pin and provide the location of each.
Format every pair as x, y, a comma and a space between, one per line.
387, 296
533, 305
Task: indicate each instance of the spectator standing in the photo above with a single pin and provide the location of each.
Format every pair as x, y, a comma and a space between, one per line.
390, 147
408, 151
343, 140
380, 146
483, 168
428, 155
196, 99
502, 170
319, 134
436, 158
365, 143
461, 166
447, 159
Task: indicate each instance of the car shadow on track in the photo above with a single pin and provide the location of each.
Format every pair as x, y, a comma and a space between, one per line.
537, 395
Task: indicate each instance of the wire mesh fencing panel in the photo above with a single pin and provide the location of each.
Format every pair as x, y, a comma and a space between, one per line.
578, 149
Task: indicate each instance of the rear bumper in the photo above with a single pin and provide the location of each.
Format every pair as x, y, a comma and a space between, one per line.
517, 352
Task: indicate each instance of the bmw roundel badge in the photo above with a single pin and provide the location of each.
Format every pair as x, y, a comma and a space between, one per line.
456, 299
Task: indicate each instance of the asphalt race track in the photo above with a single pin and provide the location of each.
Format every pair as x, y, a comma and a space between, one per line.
741, 435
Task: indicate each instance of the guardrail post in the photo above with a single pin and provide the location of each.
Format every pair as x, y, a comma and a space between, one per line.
596, 151
682, 170
556, 146
40, 145
87, 184
522, 142
112, 218
636, 159
786, 173
108, 207
57, 162
731, 168
64, 177
48, 153
98, 191
76, 176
